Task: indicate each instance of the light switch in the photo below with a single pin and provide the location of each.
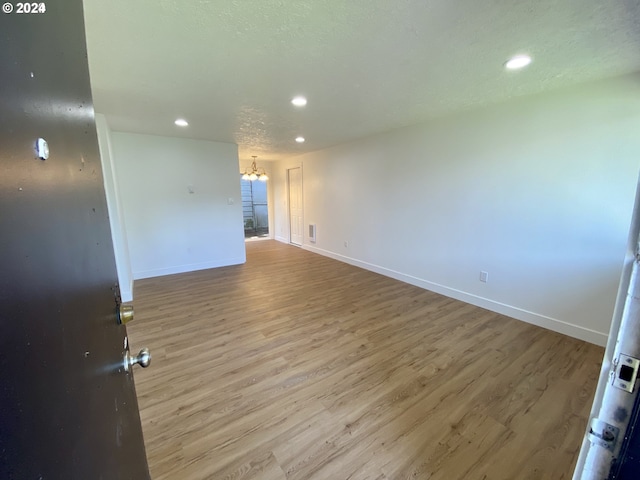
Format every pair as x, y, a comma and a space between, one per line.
230, 201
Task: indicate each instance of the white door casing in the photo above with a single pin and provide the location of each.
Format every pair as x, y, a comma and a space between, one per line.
611, 416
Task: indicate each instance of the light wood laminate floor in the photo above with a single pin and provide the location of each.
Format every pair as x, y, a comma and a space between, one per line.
296, 366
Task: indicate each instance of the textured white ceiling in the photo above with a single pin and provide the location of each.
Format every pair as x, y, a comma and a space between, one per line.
230, 67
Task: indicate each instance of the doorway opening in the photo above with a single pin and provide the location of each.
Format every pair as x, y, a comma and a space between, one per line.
255, 210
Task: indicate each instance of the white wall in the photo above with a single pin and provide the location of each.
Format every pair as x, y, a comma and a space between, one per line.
171, 230
538, 192
116, 218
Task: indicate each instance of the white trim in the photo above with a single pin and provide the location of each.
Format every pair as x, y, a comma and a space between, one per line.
159, 272
282, 239
114, 206
126, 294
576, 331
593, 461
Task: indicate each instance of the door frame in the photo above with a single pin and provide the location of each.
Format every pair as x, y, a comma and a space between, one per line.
614, 409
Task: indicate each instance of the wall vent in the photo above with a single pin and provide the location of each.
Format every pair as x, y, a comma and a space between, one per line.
312, 232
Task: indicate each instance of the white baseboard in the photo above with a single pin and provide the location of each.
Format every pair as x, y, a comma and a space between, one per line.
282, 239
187, 268
549, 323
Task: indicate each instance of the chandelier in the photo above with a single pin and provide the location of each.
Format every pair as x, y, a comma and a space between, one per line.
252, 173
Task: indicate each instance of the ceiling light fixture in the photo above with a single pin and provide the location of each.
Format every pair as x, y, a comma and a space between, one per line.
299, 101
519, 61
300, 139
181, 122
253, 173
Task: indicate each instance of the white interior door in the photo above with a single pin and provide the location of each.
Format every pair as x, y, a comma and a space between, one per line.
294, 176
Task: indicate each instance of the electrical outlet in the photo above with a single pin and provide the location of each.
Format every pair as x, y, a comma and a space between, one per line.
484, 277
346, 244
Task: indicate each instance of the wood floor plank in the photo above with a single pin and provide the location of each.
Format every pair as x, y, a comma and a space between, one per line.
296, 366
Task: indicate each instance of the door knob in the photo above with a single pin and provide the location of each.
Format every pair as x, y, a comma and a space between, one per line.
143, 359
125, 314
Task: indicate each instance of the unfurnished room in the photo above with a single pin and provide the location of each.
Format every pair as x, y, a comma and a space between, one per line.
320, 240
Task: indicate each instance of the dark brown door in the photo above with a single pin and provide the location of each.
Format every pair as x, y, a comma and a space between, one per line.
68, 408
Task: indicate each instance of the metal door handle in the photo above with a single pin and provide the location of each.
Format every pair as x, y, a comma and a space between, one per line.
143, 359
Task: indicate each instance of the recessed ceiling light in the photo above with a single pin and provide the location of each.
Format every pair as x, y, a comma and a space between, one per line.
519, 61
299, 101
181, 122
300, 139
